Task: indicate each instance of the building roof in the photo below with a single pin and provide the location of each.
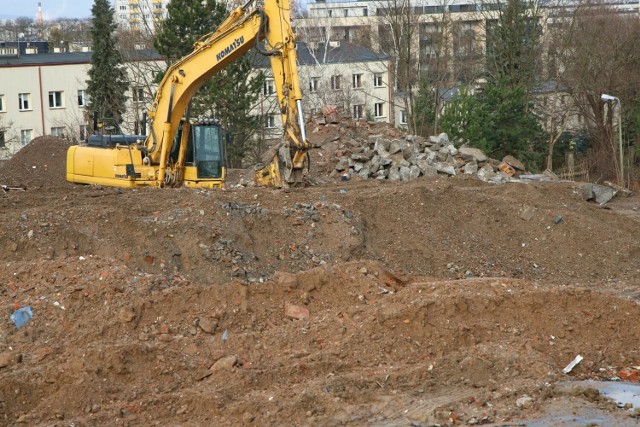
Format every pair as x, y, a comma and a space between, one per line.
65, 58
339, 53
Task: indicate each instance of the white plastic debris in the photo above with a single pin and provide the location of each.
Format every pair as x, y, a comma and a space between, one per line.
573, 364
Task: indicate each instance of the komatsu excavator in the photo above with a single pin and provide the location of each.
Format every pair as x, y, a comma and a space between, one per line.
178, 151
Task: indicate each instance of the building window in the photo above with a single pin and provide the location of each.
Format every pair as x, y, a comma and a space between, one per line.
83, 132
138, 94
25, 136
403, 117
377, 80
346, 13
356, 81
270, 121
378, 110
2, 110
24, 100
335, 82
82, 98
268, 87
123, 7
57, 131
3, 142
55, 99
314, 83
330, 13
358, 111
365, 12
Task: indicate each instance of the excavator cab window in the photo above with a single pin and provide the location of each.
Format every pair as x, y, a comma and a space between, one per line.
208, 151
205, 149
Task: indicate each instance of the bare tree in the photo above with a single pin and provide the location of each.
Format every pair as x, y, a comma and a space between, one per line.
558, 113
143, 69
396, 34
8, 138
598, 56
435, 61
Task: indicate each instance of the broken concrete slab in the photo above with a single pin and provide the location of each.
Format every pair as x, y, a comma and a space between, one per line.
470, 168
599, 193
603, 193
470, 154
514, 163
445, 168
528, 213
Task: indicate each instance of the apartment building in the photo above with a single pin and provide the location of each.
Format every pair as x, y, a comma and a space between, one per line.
449, 37
140, 15
351, 78
45, 94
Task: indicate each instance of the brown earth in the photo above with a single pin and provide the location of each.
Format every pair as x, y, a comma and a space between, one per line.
425, 303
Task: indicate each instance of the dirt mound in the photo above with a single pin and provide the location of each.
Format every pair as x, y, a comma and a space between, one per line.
41, 163
444, 301
349, 344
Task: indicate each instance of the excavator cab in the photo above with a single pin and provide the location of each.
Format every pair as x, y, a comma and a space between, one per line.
204, 153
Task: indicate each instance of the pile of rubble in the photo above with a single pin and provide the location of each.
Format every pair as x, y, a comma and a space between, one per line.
405, 159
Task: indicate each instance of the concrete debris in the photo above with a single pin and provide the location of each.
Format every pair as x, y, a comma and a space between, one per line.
514, 163
410, 157
226, 363
8, 359
619, 189
572, 364
527, 213
470, 154
525, 402
599, 193
296, 312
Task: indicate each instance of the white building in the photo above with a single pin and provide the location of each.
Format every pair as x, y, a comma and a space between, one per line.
351, 78
142, 15
45, 94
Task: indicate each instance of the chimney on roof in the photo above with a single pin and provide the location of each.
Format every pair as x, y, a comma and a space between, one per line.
40, 14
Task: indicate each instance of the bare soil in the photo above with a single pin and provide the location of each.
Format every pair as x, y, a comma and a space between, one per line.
432, 302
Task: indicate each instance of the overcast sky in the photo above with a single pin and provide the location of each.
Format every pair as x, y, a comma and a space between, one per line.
51, 9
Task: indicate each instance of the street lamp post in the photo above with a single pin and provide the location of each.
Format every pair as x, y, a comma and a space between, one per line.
606, 98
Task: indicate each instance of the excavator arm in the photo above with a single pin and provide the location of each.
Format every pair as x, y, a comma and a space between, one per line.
268, 28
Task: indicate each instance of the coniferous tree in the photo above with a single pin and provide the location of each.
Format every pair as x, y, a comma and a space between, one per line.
497, 121
500, 120
107, 82
513, 44
230, 94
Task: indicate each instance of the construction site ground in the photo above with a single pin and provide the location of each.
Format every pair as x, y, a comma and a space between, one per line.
443, 301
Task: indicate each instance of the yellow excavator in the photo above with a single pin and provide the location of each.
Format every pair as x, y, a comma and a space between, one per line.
180, 151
